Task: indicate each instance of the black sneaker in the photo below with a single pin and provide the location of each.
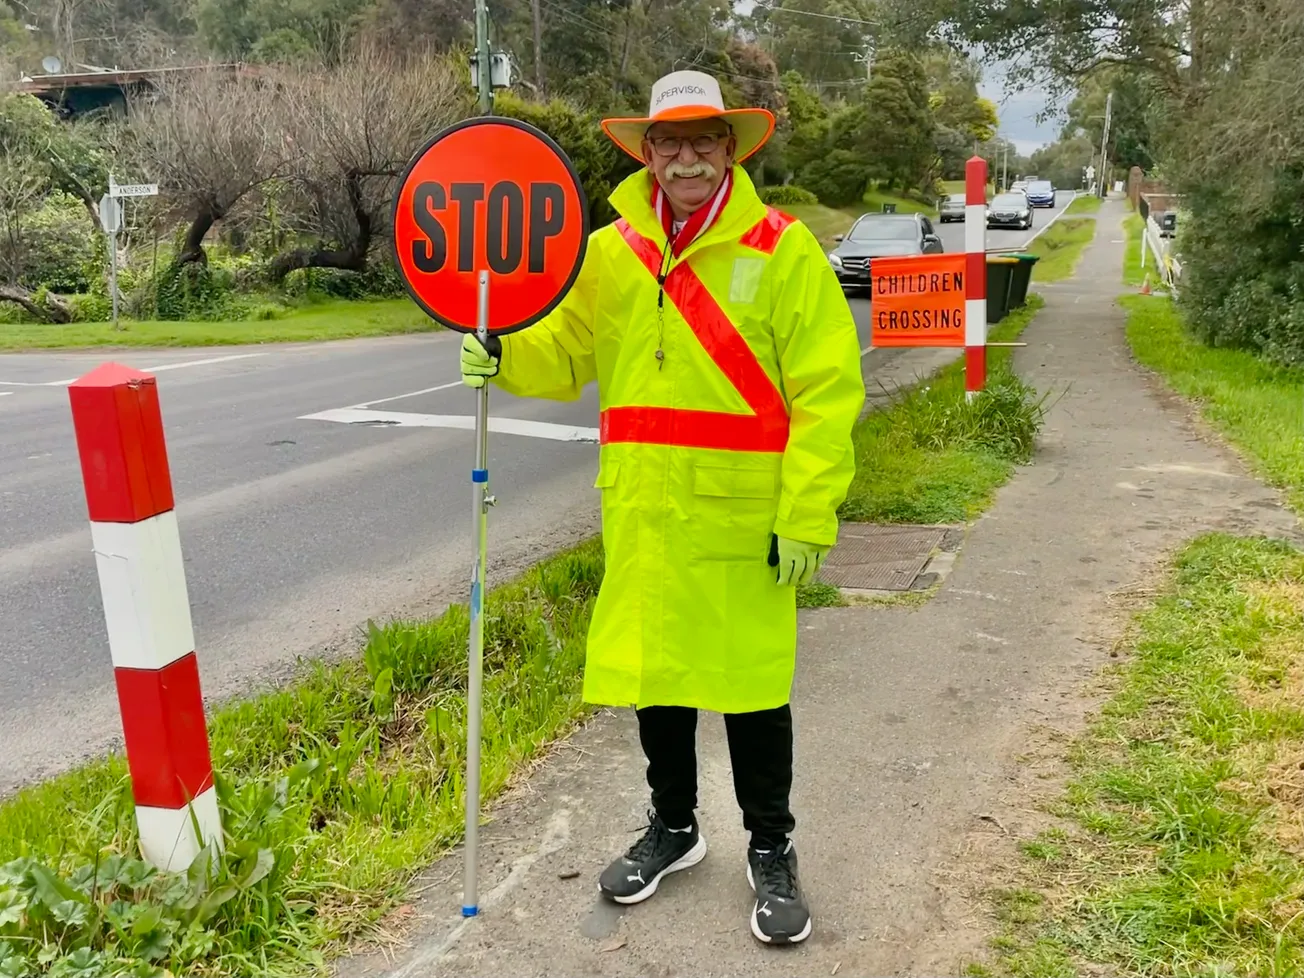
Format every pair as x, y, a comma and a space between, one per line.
780, 915
634, 876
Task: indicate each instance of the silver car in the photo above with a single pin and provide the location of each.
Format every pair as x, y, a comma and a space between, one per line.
952, 209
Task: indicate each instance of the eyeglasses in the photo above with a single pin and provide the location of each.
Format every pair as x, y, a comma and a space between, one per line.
704, 144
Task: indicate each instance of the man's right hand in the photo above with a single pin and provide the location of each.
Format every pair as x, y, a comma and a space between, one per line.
479, 363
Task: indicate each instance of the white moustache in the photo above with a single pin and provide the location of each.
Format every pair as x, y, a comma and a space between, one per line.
677, 170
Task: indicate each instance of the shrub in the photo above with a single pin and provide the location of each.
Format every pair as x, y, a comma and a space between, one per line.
1243, 274
789, 194
59, 250
837, 179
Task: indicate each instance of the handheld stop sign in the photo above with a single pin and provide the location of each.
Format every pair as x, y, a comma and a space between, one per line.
490, 229
490, 195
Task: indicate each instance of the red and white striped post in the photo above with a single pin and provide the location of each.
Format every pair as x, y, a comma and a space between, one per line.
124, 462
975, 276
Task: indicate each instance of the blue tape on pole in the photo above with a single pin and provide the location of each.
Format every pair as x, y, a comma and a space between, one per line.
475, 599
479, 475
470, 911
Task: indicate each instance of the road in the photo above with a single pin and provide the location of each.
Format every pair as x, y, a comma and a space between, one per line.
313, 494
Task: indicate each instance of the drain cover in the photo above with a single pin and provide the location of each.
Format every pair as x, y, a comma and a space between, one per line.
880, 558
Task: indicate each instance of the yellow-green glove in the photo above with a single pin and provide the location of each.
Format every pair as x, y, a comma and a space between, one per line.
479, 363
797, 562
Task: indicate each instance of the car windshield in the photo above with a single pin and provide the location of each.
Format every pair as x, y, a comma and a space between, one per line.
1010, 200
1041, 186
883, 229
955, 199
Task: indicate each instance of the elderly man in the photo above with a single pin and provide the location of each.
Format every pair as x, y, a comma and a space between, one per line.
728, 372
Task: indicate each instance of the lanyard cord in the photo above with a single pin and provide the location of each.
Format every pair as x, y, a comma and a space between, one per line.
661, 299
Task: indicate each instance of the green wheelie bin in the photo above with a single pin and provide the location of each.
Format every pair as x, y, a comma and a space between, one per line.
1022, 277
1000, 276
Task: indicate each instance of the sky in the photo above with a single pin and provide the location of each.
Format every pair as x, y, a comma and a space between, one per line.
1018, 112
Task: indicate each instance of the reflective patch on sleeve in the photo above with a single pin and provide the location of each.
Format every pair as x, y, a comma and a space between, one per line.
746, 279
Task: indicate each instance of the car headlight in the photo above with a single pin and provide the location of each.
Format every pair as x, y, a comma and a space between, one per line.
834, 260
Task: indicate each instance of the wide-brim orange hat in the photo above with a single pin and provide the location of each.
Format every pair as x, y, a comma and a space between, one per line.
686, 96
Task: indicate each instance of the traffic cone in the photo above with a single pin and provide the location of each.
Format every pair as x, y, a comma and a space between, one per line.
1145, 285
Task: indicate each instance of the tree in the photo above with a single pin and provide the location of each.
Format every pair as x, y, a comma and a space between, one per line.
897, 132
953, 95
24, 188
821, 39
210, 137
354, 127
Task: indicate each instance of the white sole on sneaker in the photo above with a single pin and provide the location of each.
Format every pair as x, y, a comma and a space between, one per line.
688, 860
756, 926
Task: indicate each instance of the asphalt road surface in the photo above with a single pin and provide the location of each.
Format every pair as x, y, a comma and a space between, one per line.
317, 486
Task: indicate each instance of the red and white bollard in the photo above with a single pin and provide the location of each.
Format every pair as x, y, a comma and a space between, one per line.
975, 276
119, 427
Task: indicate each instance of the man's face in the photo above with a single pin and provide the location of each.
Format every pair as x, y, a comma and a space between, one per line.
688, 173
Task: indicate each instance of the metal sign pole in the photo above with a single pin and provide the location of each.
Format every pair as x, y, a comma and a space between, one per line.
481, 500
113, 269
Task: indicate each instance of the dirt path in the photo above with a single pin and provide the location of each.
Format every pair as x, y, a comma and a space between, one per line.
909, 720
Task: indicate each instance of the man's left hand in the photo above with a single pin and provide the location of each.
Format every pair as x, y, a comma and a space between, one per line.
798, 562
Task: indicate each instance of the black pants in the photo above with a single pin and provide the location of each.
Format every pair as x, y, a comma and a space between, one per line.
760, 752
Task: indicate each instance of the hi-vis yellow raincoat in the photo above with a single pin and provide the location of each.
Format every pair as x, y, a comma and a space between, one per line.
741, 430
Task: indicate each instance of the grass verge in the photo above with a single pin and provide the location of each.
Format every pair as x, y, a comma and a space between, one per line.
1133, 273
1084, 204
1060, 248
1181, 840
325, 321
931, 457
334, 792
1255, 405
824, 222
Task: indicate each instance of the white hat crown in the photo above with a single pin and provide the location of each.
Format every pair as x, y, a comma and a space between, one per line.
681, 88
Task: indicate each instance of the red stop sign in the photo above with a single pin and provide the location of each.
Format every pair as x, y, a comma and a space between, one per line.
492, 194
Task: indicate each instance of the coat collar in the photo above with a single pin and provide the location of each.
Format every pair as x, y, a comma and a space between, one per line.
632, 200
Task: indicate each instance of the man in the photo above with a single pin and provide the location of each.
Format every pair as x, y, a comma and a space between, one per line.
728, 373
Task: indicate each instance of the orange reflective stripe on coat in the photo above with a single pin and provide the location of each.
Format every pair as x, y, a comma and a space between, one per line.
765, 430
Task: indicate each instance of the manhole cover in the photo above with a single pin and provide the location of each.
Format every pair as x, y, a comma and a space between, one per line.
880, 558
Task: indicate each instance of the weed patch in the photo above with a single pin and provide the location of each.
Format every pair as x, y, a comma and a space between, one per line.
932, 457
1185, 799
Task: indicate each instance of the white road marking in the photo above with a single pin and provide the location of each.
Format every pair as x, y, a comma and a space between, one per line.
399, 397
152, 370
466, 422
5, 393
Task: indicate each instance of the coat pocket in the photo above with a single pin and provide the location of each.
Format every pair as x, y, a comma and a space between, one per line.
733, 512
608, 469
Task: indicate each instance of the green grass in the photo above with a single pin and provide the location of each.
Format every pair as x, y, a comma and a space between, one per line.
824, 222
875, 198
1255, 405
1060, 248
1181, 842
1133, 274
325, 321
374, 751
930, 457
1084, 204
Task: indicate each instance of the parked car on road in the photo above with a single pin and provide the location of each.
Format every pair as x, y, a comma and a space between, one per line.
881, 236
952, 209
1010, 211
1041, 193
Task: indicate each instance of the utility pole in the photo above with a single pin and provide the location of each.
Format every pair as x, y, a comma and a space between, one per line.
484, 68
1104, 143
538, 47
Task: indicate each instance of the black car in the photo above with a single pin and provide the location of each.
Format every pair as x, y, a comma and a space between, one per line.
881, 236
1010, 211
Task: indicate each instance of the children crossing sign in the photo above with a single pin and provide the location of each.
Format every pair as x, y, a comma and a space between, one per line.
918, 300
